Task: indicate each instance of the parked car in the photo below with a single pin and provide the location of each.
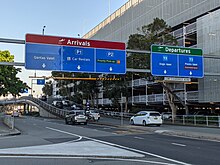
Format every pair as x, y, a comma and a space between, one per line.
66, 103
57, 104
43, 98
146, 118
93, 114
166, 115
15, 114
76, 116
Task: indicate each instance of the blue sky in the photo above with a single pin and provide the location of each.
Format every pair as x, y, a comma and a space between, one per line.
61, 18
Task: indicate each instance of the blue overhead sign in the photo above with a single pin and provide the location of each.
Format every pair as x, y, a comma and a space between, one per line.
176, 61
164, 64
74, 55
40, 81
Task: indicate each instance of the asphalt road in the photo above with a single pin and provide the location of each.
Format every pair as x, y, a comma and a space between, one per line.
156, 148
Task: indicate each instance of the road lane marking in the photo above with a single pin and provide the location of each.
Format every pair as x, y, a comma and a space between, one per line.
80, 137
177, 144
140, 138
8, 137
87, 157
120, 146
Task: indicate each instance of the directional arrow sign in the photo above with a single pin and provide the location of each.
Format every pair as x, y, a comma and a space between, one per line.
74, 54
176, 61
164, 64
191, 66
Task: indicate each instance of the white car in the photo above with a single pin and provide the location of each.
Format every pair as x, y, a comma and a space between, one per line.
146, 118
166, 115
15, 114
93, 114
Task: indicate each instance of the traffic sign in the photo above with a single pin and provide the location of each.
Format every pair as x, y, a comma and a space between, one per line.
164, 64
74, 55
176, 61
191, 66
40, 81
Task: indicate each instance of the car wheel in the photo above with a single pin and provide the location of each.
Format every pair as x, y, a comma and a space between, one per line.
158, 125
85, 123
72, 122
132, 122
144, 123
66, 122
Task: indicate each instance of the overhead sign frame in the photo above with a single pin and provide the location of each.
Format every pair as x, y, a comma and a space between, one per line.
74, 55
173, 61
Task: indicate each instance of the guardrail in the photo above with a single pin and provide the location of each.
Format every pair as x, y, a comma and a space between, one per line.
195, 120
51, 109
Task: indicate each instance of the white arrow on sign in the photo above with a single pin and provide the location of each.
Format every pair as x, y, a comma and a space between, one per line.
110, 69
44, 65
190, 73
165, 71
78, 67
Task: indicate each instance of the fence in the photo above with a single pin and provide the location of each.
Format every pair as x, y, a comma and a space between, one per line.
195, 120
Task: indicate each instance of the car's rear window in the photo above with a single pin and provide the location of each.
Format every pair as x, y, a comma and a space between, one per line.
154, 114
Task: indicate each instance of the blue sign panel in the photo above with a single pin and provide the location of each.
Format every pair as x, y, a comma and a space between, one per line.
40, 81
78, 59
43, 57
191, 66
164, 64
110, 61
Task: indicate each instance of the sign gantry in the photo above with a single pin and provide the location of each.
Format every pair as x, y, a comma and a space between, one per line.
74, 54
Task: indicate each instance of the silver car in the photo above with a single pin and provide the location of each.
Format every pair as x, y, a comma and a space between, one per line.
76, 116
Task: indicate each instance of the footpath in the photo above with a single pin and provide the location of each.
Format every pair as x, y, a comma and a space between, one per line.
6, 131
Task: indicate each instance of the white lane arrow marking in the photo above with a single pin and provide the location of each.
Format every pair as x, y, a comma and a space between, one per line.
165, 71
44, 65
78, 67
110, 69
190, 73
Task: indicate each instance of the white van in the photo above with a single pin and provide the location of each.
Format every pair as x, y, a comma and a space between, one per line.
146, 118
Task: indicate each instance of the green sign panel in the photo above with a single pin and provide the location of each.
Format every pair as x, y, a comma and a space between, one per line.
176, 50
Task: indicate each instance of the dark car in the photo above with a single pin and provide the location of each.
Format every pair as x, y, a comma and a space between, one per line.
76, 116
59, 104
43, 98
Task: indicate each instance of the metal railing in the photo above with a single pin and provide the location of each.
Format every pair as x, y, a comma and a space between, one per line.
49, 108
195, 120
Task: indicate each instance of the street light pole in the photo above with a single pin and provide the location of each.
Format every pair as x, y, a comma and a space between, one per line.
43, 30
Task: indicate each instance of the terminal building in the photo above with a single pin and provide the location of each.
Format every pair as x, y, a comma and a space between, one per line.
195, 24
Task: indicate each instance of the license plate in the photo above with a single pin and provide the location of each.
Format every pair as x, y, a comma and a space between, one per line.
155, 118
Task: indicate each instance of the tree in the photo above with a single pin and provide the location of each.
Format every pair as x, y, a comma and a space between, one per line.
159, 33
9, 83
48, 88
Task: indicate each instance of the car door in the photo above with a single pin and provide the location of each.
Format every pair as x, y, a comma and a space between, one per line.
137, 118
142, 117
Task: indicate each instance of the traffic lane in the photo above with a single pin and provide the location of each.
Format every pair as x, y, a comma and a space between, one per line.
180, 128
33, 132
177, 148
87, 134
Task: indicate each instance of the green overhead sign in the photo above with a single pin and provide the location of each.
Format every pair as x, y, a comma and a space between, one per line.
176, 50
